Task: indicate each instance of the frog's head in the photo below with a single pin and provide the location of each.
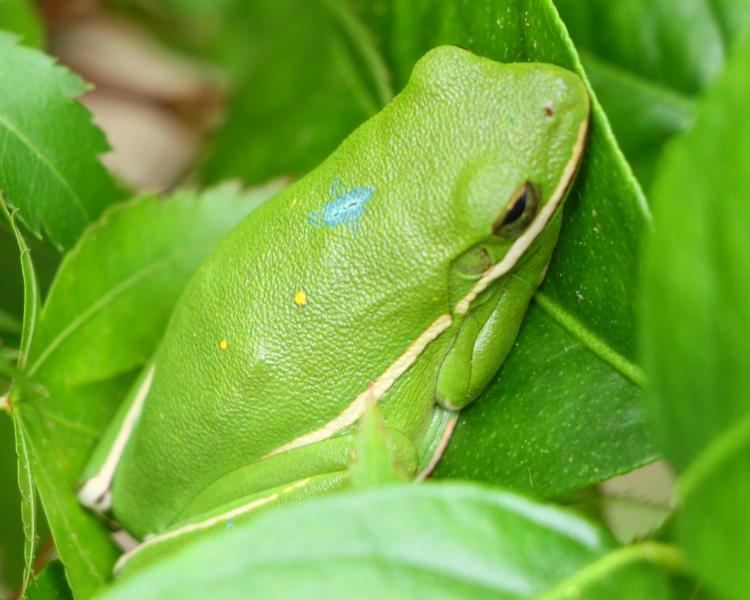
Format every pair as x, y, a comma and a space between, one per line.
517, 135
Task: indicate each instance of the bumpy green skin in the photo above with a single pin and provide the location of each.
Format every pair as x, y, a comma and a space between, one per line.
243, 369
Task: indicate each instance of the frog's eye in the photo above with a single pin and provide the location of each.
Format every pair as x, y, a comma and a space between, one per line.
519, 212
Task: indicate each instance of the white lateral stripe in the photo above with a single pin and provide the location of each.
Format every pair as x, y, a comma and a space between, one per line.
197, 526
375, 391
519, 247
442, 445
95, 488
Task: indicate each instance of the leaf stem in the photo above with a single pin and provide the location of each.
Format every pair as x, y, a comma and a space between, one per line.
717, 451
668, 556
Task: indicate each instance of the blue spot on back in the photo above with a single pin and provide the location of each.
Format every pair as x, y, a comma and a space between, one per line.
346, 207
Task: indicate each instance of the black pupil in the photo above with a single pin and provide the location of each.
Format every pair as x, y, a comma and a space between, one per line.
517, 210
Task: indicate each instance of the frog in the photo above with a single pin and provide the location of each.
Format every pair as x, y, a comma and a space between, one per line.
397, 272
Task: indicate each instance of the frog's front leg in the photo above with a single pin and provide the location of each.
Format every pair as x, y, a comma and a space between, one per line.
489, 330
307, 471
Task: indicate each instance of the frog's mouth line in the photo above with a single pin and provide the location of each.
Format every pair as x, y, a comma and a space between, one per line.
522, 243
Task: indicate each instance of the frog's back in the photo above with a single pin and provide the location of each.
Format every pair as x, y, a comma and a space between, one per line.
316, 293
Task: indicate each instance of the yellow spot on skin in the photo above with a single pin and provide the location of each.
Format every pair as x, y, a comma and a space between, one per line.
300, 298
435, 298
293, 204
223, 344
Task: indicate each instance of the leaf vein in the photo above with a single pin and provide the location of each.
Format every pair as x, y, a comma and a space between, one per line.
592, 341
103, 301
43, 159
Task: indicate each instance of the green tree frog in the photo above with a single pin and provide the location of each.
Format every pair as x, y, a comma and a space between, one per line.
398, 271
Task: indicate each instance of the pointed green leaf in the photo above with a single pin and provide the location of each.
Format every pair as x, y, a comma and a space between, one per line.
49, 166
25, 481
373, 463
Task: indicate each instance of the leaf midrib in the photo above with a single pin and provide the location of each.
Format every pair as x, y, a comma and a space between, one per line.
104, 300
47, 163
591, 340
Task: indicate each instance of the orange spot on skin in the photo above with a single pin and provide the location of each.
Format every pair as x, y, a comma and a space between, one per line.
300, 298
223, 344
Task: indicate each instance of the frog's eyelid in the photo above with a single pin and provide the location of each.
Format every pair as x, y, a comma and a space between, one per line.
523, 241
519, 212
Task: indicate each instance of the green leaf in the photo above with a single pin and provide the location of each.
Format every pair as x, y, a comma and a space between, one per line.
569, 392
28, 327
649, 60
49, 167
696, 327
51, 584
31, 299
374, 463
46, 260
102, 319
307, 83
20, 17
28, 503
427, 541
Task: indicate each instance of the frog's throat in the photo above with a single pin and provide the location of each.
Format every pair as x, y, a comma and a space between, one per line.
374, 391
96, 492
522, 243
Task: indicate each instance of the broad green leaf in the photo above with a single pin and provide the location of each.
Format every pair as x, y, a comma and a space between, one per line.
49, 166
50, 584
20, 17
102, 319
569, 393
696, 327
649, 60
533, 430
427, 541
